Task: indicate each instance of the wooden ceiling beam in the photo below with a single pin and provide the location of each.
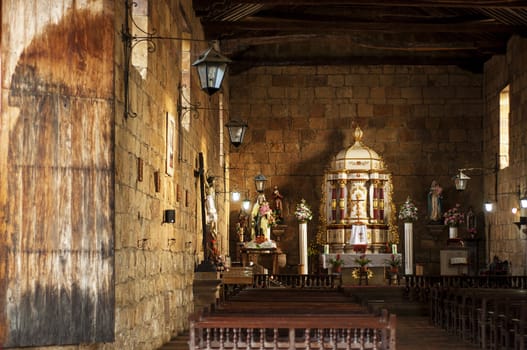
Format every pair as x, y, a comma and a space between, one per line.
474, 64
301, 26
230, 46
491, 4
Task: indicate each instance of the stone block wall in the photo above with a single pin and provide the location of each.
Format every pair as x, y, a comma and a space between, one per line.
424, 120
155, 261
505, 239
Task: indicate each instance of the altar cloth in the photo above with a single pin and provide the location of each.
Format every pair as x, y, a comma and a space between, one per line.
377, 260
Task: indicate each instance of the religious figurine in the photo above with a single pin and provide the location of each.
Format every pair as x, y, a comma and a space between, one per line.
435, 198
278, 204
242, 226
470, 219
263, 218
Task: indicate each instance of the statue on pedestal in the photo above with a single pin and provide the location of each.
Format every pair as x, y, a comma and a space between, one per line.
278, 205
435, 199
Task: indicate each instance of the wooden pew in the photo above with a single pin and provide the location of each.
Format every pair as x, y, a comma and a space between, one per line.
289, 308
292, 332
291, 318
519, 328
484, 316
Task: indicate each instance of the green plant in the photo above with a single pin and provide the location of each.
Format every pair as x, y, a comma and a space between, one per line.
362, 260
337, 262
394, 261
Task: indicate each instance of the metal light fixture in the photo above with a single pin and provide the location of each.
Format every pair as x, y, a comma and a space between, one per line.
211, 67
488, 205
235, 196
259, 182
461, 181
237, 129
523, 201
246, 204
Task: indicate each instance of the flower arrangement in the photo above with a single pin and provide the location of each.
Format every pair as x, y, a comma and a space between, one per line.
408, 211
265, 211
454, 216
337, 262
394, 261
356, 273
362, 260
303, 212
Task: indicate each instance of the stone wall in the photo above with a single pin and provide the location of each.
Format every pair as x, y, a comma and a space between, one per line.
505, 239
155, 262
424, 120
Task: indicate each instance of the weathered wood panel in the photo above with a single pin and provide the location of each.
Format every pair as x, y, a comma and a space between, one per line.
56, 243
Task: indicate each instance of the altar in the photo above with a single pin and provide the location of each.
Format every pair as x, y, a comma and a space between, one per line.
258, 256
377, 260
358, 200
378, 264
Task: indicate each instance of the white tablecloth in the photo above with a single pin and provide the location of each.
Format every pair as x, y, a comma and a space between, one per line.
349, 259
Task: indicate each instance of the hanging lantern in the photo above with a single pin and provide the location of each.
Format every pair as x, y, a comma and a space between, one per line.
237, 130
246, 204
461, 181
259, 182
235, 196
488, 205
211, 67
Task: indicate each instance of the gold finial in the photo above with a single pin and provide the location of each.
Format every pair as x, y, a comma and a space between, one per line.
358, 134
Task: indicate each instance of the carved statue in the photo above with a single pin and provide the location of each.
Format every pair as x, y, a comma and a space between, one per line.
435, 198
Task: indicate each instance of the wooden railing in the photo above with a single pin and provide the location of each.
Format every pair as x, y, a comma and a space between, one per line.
418, 287
291, 318
292, 332
492, 318
297, 281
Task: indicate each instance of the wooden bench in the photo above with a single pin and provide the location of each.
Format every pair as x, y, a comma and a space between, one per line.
291, 318
289, 308
292, 332
488, 317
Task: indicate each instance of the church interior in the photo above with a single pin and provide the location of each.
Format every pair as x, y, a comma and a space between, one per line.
159, 156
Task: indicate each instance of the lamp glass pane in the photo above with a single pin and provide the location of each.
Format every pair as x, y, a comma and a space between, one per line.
488, 206
259, 182
246, 204
461, 184
236, 134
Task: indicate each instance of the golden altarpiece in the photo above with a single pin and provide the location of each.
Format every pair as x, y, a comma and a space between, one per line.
358, 206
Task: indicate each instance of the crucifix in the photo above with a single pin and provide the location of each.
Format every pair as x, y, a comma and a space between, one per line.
356, 205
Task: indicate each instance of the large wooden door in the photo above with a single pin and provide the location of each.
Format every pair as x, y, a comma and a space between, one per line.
56, 177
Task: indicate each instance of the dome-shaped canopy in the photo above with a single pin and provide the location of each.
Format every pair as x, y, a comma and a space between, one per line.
358, 157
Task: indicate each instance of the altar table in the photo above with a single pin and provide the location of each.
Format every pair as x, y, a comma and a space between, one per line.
378, 266
254, 255
377, 260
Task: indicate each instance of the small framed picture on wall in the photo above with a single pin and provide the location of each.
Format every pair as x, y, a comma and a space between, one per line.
171, 136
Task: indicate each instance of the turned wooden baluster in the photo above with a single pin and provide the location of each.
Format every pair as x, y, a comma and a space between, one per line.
262, 338
207, 340
291, 339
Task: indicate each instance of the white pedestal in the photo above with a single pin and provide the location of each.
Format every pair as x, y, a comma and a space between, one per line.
302, 242
408, 248
452, 232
